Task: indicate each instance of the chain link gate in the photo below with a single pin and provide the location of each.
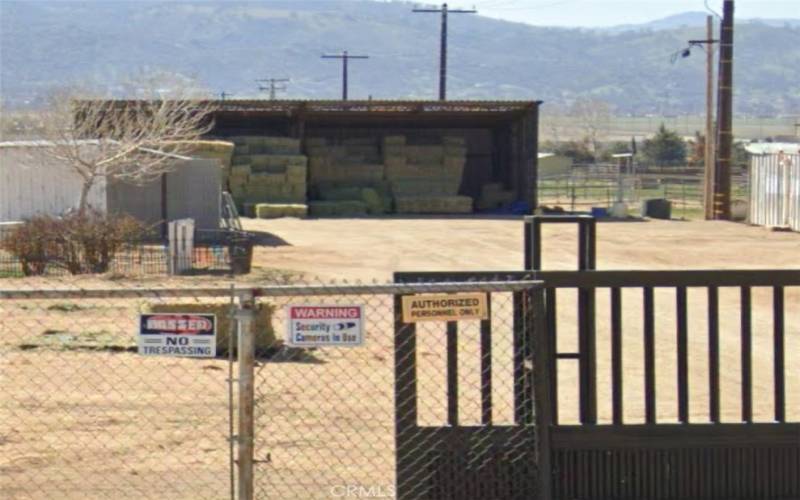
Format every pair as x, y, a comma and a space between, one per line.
325, 418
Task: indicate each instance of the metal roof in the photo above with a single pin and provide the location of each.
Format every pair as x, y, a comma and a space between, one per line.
291, 107
772, 148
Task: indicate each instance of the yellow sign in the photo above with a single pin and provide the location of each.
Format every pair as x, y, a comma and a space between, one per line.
444, 307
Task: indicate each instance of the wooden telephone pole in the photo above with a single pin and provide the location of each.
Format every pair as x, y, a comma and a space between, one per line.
274, 86
444, 11
708, 186
724, 140
344, 56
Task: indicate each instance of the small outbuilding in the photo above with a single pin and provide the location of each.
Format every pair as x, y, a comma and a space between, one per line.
34, 184
775, 187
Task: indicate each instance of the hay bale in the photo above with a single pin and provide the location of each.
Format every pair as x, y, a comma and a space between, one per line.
424, 154
241, 171
276, 210
277, 161
340, 194
265, 333
452, 140
337, 208
266, 179
394, 140
375, 204
221, 151
312, 142
360, 141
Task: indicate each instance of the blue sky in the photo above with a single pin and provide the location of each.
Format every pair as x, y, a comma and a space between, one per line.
597, 13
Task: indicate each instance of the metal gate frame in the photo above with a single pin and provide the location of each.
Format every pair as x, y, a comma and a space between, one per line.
456, 461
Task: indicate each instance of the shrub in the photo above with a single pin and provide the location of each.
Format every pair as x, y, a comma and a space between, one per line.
79, 243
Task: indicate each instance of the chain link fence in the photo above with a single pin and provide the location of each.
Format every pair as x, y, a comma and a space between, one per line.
325, 418
84, 415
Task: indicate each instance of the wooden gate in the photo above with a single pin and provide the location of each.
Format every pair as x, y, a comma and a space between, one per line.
684, 388
490, 455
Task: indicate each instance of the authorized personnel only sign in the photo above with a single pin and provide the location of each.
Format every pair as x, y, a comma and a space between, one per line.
178, 334
319, 326
444, 307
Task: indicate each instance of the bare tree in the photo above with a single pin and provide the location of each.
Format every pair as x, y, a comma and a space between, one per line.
135, 141
594, 116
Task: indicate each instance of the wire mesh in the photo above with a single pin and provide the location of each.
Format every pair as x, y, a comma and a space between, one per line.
83, 415
326, 421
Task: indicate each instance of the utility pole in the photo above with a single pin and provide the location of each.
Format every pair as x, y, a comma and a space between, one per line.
273, 86
344, 56
708, 195
223, 95
444, 11
724, 141
708, 153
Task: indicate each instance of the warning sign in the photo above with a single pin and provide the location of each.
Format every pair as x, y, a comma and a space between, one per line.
444, 307
317, 326
178, 334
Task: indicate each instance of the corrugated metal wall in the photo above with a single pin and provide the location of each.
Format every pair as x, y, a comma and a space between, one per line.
775, 191
30, 185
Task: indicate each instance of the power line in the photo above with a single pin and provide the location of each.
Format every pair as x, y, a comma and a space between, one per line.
273, 86
344, 56
444, 11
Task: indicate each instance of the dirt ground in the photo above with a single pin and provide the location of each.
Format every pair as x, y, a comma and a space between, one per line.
81, 416
369, 249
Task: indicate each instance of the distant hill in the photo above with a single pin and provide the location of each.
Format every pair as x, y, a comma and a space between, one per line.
228, 45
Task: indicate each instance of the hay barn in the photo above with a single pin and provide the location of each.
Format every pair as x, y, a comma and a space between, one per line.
374, 157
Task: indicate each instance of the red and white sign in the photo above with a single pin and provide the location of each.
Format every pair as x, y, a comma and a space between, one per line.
320, 326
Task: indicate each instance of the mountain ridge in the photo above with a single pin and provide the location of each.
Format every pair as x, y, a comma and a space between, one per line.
228, 45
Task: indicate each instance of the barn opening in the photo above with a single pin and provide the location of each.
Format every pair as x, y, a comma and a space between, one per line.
376, 157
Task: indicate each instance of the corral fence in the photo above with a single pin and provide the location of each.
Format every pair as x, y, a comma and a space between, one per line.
600, 185
775, 191
84, 415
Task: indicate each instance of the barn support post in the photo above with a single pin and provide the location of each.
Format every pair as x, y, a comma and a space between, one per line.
246, 360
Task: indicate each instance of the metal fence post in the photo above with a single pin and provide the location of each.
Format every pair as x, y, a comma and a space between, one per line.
246, 359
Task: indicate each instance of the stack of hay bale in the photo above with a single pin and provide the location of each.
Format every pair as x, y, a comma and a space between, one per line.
347, 178
426, 179
268, 176
219, 150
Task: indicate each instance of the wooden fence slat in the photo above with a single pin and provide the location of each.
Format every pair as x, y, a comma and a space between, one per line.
649, 356
616, 356
747, 354
683, 356
452, 373
779, 347
713, 353
552, 331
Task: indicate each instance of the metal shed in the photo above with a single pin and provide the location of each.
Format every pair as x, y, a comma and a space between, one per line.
775, 190
33, 185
